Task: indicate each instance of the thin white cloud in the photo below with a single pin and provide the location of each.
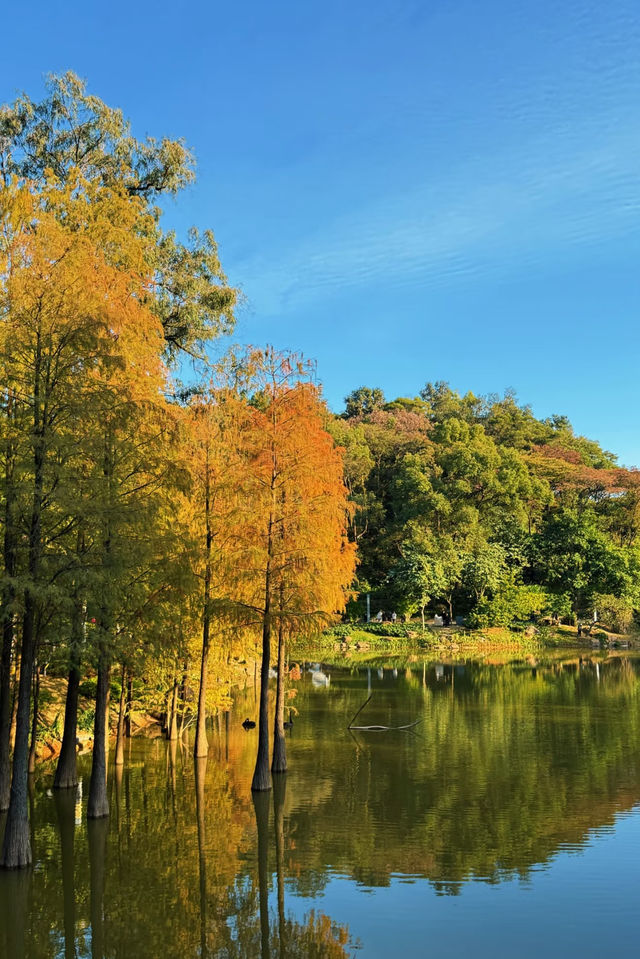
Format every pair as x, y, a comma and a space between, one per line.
492, 215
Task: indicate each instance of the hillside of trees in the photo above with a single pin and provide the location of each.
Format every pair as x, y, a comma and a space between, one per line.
471, 506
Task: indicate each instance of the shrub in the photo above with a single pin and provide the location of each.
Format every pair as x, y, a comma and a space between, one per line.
511, 605
395, 630
86, 720
613, 612
342, 631
401, 630
88, 687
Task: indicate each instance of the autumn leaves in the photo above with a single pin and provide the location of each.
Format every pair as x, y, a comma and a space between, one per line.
161, 527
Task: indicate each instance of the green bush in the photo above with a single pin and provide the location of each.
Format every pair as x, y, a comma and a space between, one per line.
88, 687
613, 612
342, 631
512, 605
559, 604
401, 630
86, 720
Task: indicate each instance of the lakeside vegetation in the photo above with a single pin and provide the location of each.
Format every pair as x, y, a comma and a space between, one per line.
473, 507
170, 524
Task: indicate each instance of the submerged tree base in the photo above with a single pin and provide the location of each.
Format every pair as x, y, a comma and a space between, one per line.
16, 849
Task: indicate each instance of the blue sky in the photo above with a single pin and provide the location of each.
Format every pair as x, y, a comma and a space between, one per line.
405, 191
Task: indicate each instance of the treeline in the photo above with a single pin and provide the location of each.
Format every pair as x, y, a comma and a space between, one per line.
147, 526
473, 507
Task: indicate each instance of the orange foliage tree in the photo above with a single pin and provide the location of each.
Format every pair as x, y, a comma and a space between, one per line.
296, 562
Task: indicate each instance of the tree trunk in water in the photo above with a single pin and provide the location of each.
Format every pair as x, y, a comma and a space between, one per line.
8, 596
172, 731
98, 805
261, 775
279, 761
261, 807
34, 720
16, 848
120, 734
5, 704
66, 776
201, 747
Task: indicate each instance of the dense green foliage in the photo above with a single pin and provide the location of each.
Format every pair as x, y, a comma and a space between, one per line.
473, 507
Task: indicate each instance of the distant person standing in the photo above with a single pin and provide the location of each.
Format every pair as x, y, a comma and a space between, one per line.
379, 615
393, 616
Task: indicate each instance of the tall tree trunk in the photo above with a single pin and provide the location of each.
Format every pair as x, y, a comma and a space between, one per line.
5, 700
15, 697
261, 774
183, 698
127, 718
98, 804
201, 747
34, 719
118, 773
172, 730
121, 711
66, 776
279, 761
16, 848
8, 596
261, 777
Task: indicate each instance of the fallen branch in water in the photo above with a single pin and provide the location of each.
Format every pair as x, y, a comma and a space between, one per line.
378, 728
383, 728
350, 726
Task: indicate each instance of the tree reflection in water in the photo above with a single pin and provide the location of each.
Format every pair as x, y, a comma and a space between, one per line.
509, 764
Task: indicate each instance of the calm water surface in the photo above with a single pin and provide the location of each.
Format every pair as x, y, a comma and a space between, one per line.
506, 824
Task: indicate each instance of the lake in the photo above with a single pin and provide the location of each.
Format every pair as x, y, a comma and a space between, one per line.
504, 824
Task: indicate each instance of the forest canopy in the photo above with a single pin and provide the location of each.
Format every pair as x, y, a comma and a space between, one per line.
471, 505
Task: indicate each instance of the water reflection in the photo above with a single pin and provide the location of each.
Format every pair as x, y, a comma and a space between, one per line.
200, 772
261, 807
65, 802
509, 766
